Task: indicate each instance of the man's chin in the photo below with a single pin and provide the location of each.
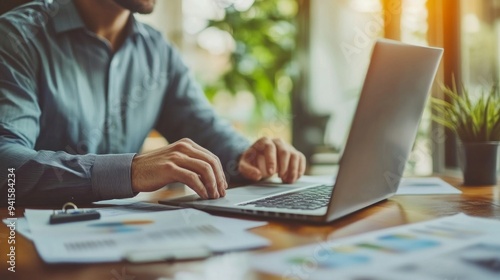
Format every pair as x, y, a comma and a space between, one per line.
138, 6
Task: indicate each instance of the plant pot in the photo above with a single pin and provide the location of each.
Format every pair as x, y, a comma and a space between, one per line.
479, 163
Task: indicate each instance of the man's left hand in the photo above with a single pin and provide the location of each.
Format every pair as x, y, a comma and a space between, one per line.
267, 157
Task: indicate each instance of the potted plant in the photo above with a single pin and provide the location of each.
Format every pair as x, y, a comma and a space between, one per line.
475, 119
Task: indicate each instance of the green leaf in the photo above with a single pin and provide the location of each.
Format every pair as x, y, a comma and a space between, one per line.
472, 121
265, 34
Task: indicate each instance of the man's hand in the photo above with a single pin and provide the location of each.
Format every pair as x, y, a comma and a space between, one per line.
267, 157
183, 161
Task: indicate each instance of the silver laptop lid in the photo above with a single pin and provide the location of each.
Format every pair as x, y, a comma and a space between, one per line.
385, 124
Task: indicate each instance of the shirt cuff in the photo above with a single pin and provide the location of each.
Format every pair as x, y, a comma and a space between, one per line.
111, 176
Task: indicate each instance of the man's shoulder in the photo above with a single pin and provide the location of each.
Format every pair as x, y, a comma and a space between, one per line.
26, 20
30, 13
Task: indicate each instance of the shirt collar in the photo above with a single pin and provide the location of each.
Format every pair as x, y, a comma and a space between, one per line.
136, 27
66, 18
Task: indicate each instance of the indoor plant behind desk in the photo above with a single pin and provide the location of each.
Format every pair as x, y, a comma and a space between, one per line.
476, 122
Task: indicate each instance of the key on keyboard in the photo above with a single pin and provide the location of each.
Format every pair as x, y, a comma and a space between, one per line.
308, 199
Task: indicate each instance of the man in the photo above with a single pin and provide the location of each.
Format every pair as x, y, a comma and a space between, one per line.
82, 83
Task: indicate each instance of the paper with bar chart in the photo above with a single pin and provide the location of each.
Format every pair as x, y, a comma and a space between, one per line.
113, 237
456, 247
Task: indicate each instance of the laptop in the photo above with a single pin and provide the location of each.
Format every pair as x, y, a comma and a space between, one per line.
382, 134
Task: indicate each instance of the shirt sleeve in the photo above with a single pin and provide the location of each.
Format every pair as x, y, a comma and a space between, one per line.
186, 113
45, 177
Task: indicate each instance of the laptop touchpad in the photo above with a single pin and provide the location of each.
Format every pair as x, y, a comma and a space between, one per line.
257, 190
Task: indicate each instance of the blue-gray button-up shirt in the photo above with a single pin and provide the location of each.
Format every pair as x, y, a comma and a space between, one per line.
73, 113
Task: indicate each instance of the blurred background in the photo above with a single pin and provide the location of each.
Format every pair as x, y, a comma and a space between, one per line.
294, 68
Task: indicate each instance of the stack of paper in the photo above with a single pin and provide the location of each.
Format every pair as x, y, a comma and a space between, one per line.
122, 233
456, 247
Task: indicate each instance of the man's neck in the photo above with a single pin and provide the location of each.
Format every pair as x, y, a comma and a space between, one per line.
106, 19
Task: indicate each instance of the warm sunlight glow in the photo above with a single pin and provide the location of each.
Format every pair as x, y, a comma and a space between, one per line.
414, 22
471, 23
366, 6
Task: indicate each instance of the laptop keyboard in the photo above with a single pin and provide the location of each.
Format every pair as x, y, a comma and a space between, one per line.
308, 199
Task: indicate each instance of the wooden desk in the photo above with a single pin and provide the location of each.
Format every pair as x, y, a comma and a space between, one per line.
399, 210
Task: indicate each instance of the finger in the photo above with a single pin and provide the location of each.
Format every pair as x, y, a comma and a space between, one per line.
261, 164
205, 171
283, 155
293, 168
192, 180
215, 162
267, 148
194, 150
249, 171
270, 155
250, 155
302, 164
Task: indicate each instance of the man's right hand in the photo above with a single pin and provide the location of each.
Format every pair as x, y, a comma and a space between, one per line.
183, 161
